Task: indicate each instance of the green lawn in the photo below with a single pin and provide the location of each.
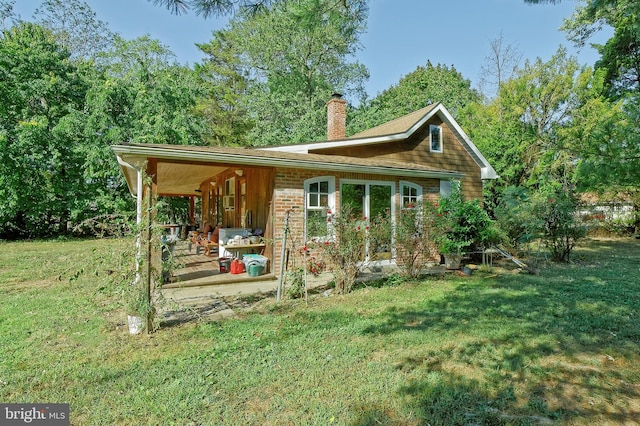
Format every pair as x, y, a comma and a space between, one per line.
561, 347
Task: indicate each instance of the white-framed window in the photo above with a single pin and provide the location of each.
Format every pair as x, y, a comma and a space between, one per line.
320, 200
229, 200
410, 195
435, 138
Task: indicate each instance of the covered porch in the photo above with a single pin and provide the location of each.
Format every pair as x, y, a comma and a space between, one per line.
231, 190
196, 269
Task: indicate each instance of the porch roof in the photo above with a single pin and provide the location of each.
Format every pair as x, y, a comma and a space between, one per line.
181, 168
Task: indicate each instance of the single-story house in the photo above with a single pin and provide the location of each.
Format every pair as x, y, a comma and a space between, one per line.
381, 169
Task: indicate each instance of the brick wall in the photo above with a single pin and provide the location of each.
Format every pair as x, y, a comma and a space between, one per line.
336, 118
289, 197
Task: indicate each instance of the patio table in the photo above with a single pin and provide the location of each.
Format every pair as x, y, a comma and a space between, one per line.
237, 249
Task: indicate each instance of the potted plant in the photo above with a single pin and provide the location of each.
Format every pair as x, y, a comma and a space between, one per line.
452, 250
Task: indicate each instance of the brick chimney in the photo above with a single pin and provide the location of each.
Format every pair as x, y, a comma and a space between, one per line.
336, 117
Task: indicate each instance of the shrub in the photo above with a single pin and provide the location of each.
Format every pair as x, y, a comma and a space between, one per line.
417, 229
297, 284
464, 224
344, 250
315, 266
515, 217
559, 223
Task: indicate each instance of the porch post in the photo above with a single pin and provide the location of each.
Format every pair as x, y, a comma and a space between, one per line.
150, 190
139, 202
192, 209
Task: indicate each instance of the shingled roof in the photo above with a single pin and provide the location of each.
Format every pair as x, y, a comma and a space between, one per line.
185, 166
397, 130
399, 125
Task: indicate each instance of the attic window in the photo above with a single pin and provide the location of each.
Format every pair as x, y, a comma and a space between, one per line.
435, 138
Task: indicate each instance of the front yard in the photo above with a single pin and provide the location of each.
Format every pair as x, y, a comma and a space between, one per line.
561, 347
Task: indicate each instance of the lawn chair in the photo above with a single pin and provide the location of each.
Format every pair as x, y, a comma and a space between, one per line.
207, 240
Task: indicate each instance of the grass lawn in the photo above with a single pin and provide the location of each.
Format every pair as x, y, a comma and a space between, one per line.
561, 347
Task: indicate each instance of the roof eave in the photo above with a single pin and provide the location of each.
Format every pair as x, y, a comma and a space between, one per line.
134, 156
305, 148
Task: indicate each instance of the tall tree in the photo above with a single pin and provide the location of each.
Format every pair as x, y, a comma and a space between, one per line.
519, 131
604, 135
540, 98
611, 151
501, 65
146, 97
293, 57
39, 90
223, 107
76, 26
140, 97
620, 55
426, 85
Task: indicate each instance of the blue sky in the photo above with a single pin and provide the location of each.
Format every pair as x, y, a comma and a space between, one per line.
401, 34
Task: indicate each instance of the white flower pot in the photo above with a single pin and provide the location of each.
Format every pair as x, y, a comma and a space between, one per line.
136, 324
452, 261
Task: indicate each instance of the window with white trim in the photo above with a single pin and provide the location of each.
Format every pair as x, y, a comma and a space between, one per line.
320, 196
410, 195
435, 138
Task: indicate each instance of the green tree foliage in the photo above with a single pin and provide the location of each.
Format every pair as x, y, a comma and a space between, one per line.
345, 250
58, 118
540, 98
608, 143
548, 213
416, 231
464, 225
558, 223
293, 57
515, 218
599, 134
520, 131
426, 85
620, 55
223, 106
209, 8
607, 140
611, 158
138, 97
40, 89
142, 97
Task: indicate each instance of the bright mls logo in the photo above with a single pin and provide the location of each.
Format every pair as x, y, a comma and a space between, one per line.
34, 414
